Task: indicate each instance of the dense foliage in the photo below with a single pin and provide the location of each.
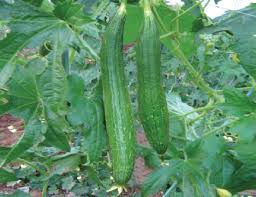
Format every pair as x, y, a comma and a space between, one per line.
50, 76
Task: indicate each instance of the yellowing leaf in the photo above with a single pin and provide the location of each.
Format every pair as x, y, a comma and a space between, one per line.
223, 193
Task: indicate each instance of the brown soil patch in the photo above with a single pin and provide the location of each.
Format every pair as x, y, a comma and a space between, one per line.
11, 129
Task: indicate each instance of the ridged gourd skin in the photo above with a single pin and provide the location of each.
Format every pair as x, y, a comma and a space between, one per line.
118, 111
152, 103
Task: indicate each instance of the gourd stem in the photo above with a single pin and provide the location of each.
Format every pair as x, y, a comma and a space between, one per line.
197, 78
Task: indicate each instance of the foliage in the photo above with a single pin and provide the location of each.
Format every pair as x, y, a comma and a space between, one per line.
209, 79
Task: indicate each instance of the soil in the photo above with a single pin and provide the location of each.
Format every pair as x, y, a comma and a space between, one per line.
11, 129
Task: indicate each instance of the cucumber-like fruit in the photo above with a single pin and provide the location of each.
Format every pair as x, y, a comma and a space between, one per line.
117, 105
152, 103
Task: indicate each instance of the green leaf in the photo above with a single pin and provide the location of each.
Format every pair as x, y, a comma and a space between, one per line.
133, 23
177, 125
56, 134
24, 98
237, 103
53, 85
71, 12
95, 135
17, 193
34, 131
37, 3
3, 152
150, 156
221, 172
243, 179
76, 98
245, 153
245, 45
65, 164
194, 182
185, 29
245, 128
6, 176
89, 113
28, 25
159, 178
213, 148
93, 175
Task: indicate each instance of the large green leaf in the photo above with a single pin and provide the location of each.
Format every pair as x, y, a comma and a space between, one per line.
237, 103
149, 155
245, 153
3, 152
222, 172
195, 183
53, 87
191, 181
158, 179
65, 163
24, 98
245, 128
133, 23
28, 25
95, 134
6, 176
186, 25
242, 25
242, 179
71, 12
89, 113
77, 100
57, 131
28, 103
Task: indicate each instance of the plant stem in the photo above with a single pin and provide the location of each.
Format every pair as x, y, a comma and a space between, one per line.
45, 188
220, 127
179, 138
209, 106
197, 79
186, 11
170, 189
197, 118
169, 34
